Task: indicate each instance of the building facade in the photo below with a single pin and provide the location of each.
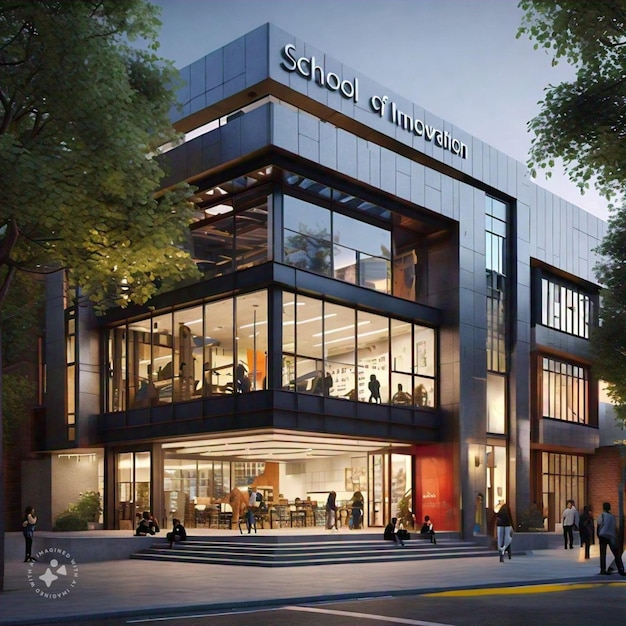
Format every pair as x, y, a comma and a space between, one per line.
386, 305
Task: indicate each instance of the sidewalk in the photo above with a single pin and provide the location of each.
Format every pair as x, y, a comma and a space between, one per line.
134, 587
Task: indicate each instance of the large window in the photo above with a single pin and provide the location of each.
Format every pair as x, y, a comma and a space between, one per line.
565, 307
323, 241
324, 230
338, 351
565, 391
496, 266
230, 229
207, 350
563, 478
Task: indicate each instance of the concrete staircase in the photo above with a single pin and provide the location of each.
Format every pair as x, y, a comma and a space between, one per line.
324, 549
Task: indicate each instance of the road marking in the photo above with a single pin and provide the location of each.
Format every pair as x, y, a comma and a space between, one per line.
379, 618
505, 591
147, 620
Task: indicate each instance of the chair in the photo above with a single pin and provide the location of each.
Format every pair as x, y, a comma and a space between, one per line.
243, 519
200, 514
225, 515
281, 515
297, 515
212, 515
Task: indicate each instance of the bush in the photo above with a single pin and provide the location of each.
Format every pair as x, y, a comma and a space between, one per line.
68, 520
88, 506
530, 520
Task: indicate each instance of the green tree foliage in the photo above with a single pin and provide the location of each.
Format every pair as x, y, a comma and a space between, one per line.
609, 339
584, 123
17, 394
22, 319
82, 114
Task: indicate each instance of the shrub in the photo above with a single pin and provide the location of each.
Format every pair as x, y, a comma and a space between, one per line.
530, 520
68, 520
88, 506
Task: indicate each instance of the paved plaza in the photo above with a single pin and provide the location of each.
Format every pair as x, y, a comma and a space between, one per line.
133, 587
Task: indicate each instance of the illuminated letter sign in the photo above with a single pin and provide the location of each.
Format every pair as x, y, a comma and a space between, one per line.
309, 69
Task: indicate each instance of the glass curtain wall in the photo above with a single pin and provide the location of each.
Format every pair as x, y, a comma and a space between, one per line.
326, 242
230, 230
339, 351
326, 230
193, 484
189, 353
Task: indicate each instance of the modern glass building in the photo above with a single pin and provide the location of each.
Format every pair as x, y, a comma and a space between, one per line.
387, 305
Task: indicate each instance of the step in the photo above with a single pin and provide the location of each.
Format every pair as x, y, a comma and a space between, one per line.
301, 553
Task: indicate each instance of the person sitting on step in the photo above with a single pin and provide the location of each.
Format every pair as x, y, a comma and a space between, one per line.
178, 532
428, 529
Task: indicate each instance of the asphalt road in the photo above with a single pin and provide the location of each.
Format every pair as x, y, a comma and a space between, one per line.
576, 604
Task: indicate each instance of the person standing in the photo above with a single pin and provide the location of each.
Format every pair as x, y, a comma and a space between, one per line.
607, 535
570, 519
374, 387
586, 528
28, 530
331, 511
357, 510
253, 504
504, 529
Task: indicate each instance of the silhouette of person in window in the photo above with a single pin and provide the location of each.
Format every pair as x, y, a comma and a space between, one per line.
328, 383
374, 387
243, 382
401, 397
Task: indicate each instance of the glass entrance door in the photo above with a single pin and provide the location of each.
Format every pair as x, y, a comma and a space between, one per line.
390, 487
132, 492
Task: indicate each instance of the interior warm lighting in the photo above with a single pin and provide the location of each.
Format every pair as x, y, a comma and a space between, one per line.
198, 321
218, 209
253, 324
90, 456
338, 330
216, 190
311, 319
350, 337
283, 447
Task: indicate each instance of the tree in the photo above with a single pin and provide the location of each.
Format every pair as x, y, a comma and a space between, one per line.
582, 122
609, 339
82, 113
82, 116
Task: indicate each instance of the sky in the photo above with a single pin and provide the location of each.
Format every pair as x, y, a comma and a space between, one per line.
459, 59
